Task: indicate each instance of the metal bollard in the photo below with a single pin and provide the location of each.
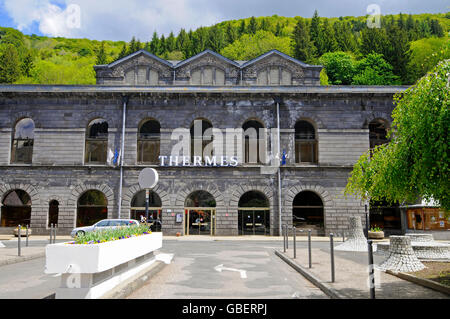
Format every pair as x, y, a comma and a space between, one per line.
284, 238
295, 241
54, 233
371, 271
27, 237
309, 248
343, 236
332, 256
287, 237
51, 232
18, 241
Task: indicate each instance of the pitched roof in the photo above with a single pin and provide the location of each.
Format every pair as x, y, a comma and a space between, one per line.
285, 56
217, 55
142, 51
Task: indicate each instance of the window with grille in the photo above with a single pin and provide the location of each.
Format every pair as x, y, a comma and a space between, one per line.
96, 142
23, 141
149, 142
305, 143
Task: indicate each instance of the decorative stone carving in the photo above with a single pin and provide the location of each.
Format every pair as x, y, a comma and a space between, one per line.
207, 60
274, 61
401, 256
424, 247
356, 240
141, 60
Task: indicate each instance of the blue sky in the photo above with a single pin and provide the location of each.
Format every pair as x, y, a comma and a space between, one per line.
120, 20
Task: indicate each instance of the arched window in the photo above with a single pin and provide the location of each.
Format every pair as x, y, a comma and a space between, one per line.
305, 143
23, 140
16, 209
149, 141
274, 75
92, 207
207, 75
378, 133
138, 205
201, 137
96, 142
254, 142
308, 212
253, 214
53, 211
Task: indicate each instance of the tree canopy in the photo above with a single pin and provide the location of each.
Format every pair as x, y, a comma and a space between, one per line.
416, 161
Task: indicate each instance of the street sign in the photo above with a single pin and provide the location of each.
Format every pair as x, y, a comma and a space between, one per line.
148, 178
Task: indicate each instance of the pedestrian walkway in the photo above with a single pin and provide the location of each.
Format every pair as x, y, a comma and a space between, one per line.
351, 276
10, 255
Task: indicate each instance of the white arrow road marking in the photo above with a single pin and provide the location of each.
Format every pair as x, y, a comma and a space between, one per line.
1, 245
219, 268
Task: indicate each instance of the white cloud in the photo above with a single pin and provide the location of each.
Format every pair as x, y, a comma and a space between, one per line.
106, 19
122, 19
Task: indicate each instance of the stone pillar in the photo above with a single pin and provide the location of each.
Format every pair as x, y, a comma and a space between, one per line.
401, 256
356, 240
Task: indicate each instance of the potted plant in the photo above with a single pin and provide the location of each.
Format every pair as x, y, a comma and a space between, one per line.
23, 231
376, 233
99, 261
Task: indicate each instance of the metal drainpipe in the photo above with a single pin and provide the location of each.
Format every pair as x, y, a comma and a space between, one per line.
277, 101
122, 152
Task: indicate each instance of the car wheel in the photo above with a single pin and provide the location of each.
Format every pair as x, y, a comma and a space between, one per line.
80, 233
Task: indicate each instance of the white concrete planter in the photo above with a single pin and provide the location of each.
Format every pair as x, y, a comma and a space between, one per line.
90, 271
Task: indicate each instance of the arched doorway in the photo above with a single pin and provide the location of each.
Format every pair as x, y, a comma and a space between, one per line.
16, 209
200, 214
308, 212
92, 207
154, 209
254, 214
53, 211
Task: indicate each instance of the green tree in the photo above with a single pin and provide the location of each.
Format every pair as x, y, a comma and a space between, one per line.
27, 65
9, 64
344, 36
303, 48
242, 28
171, 42
340, 67
314, 29
155, 44
397, 52
101, 54
416, 161
326, 41
251, 46
425, 55
123, 53
183, 43
216, 38
252, 26
373, 40
231, 33
374, 70
162, 46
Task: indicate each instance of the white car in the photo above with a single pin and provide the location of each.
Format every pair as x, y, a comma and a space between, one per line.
104, 224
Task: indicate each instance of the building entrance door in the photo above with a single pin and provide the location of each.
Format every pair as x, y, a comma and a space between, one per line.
200, 221
254, 221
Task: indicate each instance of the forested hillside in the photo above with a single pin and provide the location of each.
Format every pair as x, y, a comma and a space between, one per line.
400, 52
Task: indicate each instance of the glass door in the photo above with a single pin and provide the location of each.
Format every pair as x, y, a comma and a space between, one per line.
254, 221
200, 221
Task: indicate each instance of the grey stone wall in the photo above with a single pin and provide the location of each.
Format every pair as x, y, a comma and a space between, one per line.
58, 170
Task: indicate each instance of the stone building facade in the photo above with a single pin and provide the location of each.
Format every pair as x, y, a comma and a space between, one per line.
209, 87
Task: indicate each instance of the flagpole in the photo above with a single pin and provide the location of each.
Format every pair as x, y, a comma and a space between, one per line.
122, 152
